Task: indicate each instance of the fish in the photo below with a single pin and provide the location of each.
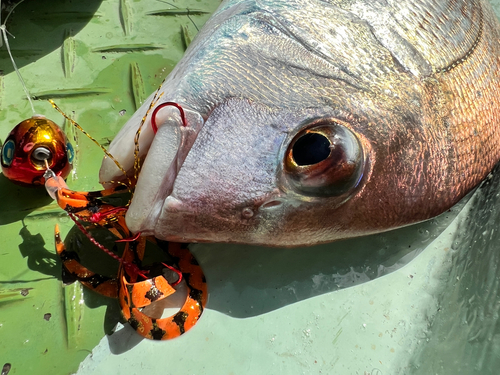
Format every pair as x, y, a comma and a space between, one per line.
311, 121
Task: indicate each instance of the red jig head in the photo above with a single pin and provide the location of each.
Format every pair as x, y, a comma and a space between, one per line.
32, 146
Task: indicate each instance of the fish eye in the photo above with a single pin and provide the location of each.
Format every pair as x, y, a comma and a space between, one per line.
325, 160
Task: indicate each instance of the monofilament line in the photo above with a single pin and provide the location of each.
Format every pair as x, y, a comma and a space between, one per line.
4, 31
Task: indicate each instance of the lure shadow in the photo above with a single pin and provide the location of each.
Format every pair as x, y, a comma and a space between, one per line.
18, 201
47, 262
39, 258
50, 21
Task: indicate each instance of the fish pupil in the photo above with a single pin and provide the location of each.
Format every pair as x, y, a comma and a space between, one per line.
311, 148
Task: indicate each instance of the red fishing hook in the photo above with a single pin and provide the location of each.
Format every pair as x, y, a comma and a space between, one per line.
166, 104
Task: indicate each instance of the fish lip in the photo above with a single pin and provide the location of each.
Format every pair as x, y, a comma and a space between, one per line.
150, 196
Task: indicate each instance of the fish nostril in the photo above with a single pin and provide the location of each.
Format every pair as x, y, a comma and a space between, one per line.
271, 204
247, 213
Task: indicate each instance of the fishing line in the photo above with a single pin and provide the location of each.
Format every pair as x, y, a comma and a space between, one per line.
188, 15
4, 31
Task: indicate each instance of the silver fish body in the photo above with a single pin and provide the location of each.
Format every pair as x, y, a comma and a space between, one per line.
310, 121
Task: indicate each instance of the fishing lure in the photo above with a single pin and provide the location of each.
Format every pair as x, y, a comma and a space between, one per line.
137, 285
37, 152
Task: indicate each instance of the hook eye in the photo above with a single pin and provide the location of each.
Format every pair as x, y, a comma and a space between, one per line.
41, 156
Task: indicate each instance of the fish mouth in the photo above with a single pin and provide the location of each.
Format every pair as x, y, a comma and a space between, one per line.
171, 144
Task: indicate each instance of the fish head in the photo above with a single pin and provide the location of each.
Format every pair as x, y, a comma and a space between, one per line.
258, 174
